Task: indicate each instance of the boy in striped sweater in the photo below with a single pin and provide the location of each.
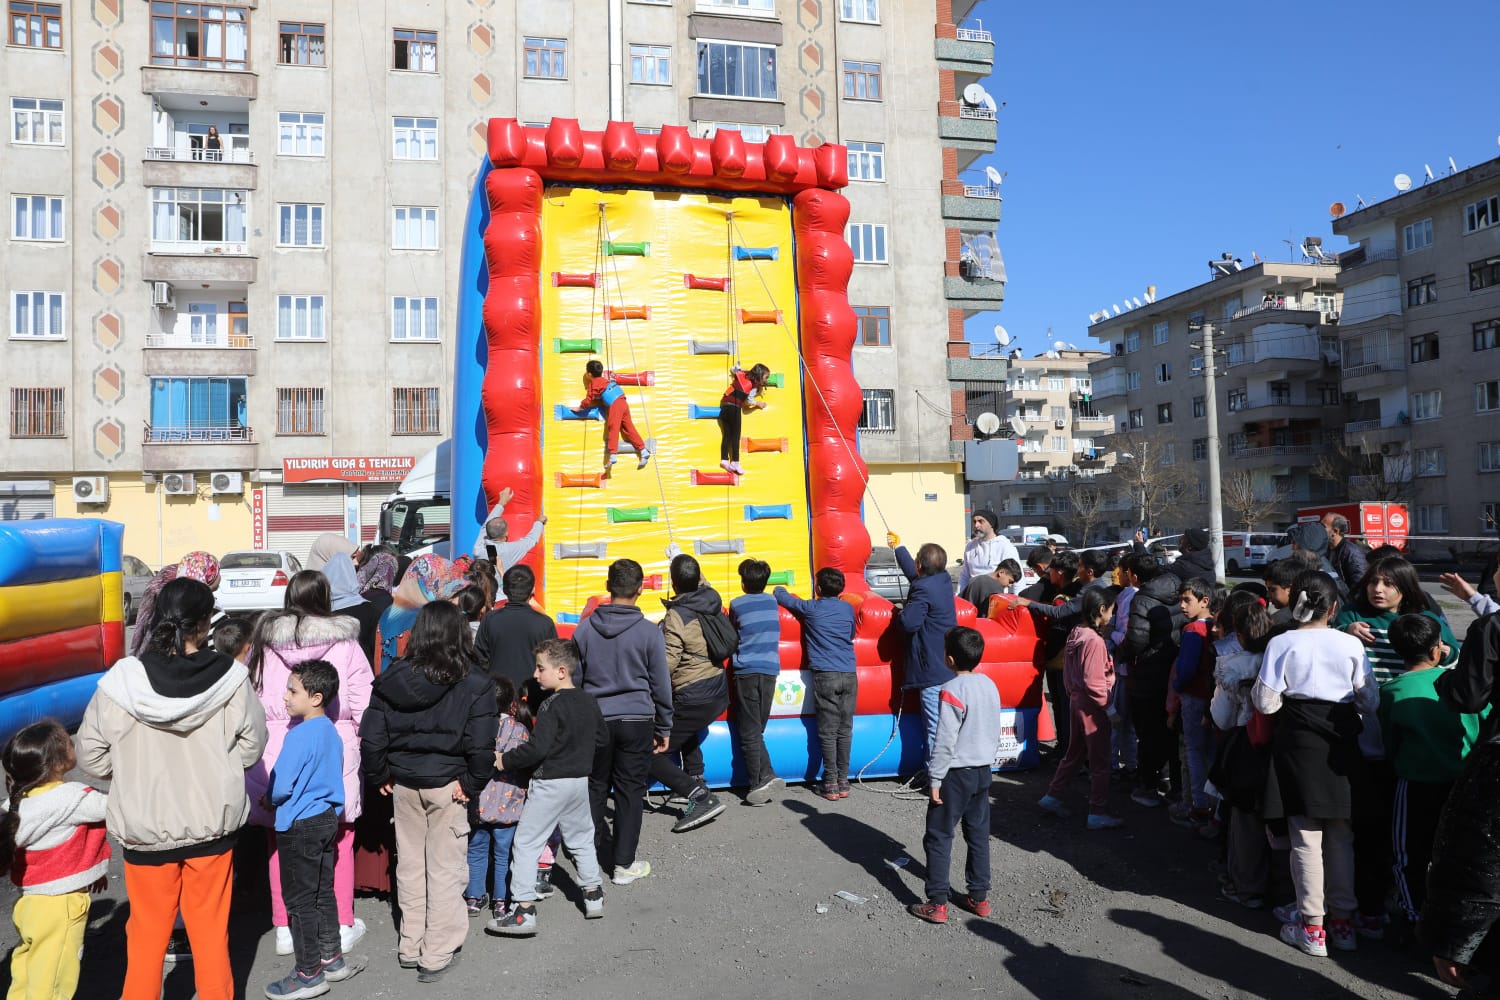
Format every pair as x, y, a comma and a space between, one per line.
757, 665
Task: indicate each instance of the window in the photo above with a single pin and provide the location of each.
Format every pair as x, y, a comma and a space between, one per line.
866, 11
1059, 443
1489, 456
1200, 406
302, 44
36, 25
732, 69
1169, 453
651, 64
1489, 515
198, 409
767, 6
1132, 341
414, 318
415, 51
1058, 413
861, 80
1132, 381
414, 139
1057, 383
1238, 399
1486, 396
1428, 405
1481, 214
1432, 519
866, 161
1429, 462
1137, 419
1484, 273
38, 413
198, 36
1328, 393
197, 215
874, 325
414, 228
1202, 492
1164, 372
1160, 332
1417, 236
1200, 449
750, 133
299, 411
868, 241
1487, 335
1420, 291
300, 133
36, 122
880, 410
1164, 413
414, 411
299, 225
299, 317
37, 315
1084, 384
546, 58
1425, 348
37, 217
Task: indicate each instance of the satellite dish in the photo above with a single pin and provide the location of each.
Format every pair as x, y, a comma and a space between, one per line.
989, 103
1452, 167
1002, 336
974, 95
1428, 168
1402, 182
1018, 426
1336, 209
1058, 345
994, 175
1117, 308
1072, 347
987, 423
1137, 301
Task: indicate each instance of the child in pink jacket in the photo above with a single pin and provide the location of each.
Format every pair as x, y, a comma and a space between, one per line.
308, 630
1089, 677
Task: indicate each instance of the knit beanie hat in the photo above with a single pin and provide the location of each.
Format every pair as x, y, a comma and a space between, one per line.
989, 516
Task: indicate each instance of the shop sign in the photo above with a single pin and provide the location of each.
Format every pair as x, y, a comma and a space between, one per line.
356, 469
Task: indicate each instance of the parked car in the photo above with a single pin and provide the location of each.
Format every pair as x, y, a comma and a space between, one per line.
1252, 551
255, 581
884, 576
136, 575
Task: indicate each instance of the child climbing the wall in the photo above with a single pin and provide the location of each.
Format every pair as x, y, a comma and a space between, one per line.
602, 390
745, 388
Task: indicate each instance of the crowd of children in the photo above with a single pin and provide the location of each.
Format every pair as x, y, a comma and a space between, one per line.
1323, 739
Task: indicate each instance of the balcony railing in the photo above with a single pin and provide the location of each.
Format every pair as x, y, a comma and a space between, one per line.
1094, 418
200, 248
1371, 367
1269, 451
211, 341
974, 35
177, 153
989, 191
981, 114
199, 434
1360, 426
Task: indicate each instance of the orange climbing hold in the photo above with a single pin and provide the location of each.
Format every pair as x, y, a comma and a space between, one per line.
764, 444
580, 480
627, 312
760, 315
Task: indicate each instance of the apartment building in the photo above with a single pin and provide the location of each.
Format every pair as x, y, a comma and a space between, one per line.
1420, 328
235, 229
1277, 388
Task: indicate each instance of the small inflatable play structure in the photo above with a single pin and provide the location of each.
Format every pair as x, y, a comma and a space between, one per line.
680, 265
62, 618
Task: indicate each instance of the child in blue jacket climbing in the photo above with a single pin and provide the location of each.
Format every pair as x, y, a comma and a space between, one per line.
927, 617
603, 391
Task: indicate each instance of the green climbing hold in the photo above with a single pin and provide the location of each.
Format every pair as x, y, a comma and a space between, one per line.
577, 345
627, 248
783, 578
778, 380
627, 515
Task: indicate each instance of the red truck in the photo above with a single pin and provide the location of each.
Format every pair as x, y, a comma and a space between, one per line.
1375, 523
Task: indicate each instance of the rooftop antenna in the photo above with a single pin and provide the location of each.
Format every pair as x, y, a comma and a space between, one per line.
1402, 182
1359, 201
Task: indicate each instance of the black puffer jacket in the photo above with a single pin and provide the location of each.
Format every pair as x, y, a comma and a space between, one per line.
1154, 630
1196, 564
424, 735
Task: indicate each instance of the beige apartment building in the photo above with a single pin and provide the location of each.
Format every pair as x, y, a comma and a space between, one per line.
235, 229
1420, 327
1276, 333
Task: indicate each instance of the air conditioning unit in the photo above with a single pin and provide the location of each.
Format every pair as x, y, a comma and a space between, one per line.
90, 489
1060, 423
161, 295
1390, 448
227, 482
178, 484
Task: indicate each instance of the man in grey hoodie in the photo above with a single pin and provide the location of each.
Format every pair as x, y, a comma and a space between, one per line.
624, 668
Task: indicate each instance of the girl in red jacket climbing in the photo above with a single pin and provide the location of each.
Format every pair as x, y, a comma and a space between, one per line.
603, 391
745, 388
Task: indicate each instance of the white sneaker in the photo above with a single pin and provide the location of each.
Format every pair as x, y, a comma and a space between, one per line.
593, 903
284, 944
736, 468
726, 465
348, 934
625, 876
645, 457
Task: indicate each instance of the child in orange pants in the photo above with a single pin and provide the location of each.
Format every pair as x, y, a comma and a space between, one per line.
603, 391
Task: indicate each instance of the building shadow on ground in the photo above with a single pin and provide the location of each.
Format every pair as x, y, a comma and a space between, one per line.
860, 843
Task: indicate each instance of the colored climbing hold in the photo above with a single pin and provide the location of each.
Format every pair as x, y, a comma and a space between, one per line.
783, 578
580, 480
577, 345
757, 253
561, 280
580, 550
777, 379
652, 582
711, 347
719, 546
766, 512
714, 477
754, 445
700, 412
705, 284
628, 248
627, 312
760, 315
634, 378
565, 412
630, 515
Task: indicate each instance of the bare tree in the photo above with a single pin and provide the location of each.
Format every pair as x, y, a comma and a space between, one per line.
1250, 505
1366, 473
1153, 486
1088, 498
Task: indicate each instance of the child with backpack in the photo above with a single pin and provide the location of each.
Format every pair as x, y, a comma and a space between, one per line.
603, 391
828, 637
494, 815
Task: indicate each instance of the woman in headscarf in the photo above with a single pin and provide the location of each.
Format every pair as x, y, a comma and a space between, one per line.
198, 566
328, 545
377, 572
333, 556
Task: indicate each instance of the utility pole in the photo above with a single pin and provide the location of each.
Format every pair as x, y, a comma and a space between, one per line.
1215, 490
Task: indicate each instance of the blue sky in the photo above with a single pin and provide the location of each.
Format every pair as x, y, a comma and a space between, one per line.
1143, 139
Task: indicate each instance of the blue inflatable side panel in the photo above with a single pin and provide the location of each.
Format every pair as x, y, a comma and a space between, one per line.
60, 700
53, 549
472, 350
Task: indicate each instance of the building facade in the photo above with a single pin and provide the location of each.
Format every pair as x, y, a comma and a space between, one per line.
1277, 392
235, 230
1420, 328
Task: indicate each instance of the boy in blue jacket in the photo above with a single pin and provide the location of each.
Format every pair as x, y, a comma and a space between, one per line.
927, 617
828, 637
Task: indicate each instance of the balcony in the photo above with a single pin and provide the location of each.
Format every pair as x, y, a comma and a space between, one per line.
978, 203
1363, 263
1090, 456
972, 129
1376, 373
181, 355
1110, 385
979, 285
179, 166
1094, 419
1251, 408
184, 261
236, 86
1292, 350
972, 52
1370, 434
190, 448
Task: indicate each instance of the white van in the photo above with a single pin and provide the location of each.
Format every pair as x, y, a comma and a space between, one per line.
1246, 551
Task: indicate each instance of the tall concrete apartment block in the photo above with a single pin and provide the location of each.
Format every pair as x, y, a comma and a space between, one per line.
1278, 394
1421, 346
235, 228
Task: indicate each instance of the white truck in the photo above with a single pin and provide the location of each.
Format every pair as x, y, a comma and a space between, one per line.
416, 519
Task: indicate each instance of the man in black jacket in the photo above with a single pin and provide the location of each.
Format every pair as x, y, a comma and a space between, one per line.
1344, 553
1152, 636
1197, 559
509, 635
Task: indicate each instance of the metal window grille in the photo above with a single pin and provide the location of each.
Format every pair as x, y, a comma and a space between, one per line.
38, 413
414, 411
299, 411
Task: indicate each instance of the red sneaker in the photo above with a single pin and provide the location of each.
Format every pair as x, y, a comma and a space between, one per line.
978, 907
933, 913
